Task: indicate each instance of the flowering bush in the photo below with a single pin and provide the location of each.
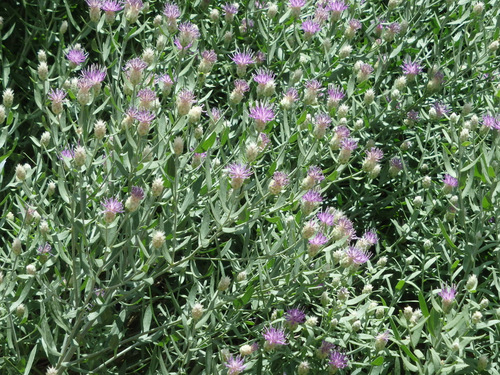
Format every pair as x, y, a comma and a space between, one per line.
258, 187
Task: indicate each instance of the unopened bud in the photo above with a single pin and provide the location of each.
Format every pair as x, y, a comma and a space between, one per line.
64, 27
197, 311
43, 70
16, 246
31, 269
8, 97
223, 283
178, 146
471, 284
99, 129
80, 156
158, 239
20, 172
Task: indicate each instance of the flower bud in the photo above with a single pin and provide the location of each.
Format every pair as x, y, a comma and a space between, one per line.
20, 172
31, 269
471, 284
367, 289
20, 310
408, 312
303, 368
296, 76
178, 146
64, 27
427, 244
2, 114
197, 311
482, 363
476, 317
43, 70
345, 51
494, 46
369, 96
44, 228
157, 187
16, 246
418, 201
272, 10
80, 156
214, 15
99, 129
484, 303
51, 188
45, 139
8, 97
356, 326
478, 8
158, 239
224, 283
246, 350
426, 182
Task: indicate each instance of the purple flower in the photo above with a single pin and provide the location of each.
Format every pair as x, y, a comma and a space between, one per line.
357, 256
354, 24
137, 193
56, 96
396, 163
313, 85
394, 28
94, 3
326, 218
412, 115
315, 244
342, 132
45, 249
264, 77
274, 337
230, 9
448, 293
321, 14
322, 120
338, 360
262, 114
310, 200
67, 153
335, 95
281, 179
165, 81
315, 173
94, 75
209, 56
294, 317
243, 58
241, 86
374, 154
146, 96
441, 109
144, 116
344, 228
112, 5
171, 11
449, 183
260, 57
188, 33
235, 365
76, 56
291, 94
135, 64
325, 349
112, 206
336, 8
310, 28
348, 144
296, 3
238, 173
263, 141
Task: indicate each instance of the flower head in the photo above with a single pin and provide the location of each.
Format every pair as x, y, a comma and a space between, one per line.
274, 337
315, 243
335, 95
326, 218
338, 360
411, 69
262, 114
235, 365
238, 174
279, 181
112, 206
243, 58
448, 296
450, 183
171, 11
111, 5
357, 256
336, 7
294, 317
310, 28
76, 56
94, 75
44, 249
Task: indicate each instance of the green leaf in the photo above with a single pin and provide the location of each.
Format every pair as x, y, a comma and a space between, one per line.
146, 321
446, 236
423, 304
400, 284
378, 361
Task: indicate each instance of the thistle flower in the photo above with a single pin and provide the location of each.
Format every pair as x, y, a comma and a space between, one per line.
294, 317
491, 122
188, 33
314, 175
364, 72
132, 9
296, 6
94, 9
56, 97
338, 360
208, 59
326, 218
353, 26
185, 99
310, 200
321, 14
274, 337
134, 69
147, 98
315, 244
396, 166
335, 95
230, 10
172, 13
322, 121
347, 146
356, 256
310, 28
369, 239
242, 60
76, 57
238, 174
262, 114
343, 229
112, 206
381, 340
411, 69
44, 249
447, 295
235, 365
449, 183
289, 98
134, 200
391, 31
265, 81
339, 134
279, 181
94, 75
373, 156
312, 91
110, 7
165, 83
336, 7
325, 349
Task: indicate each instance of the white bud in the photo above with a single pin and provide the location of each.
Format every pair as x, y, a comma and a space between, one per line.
224, 283
31, 269
246, 350
20, 172
197, 311
471, 284
158, 239
242, 276
476, 317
